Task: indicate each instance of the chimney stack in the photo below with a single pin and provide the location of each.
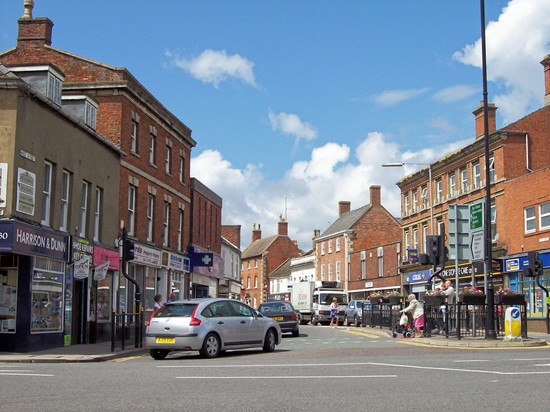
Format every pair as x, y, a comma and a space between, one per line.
344, 206
546, 64
256, 233
375, 195
282, 228
35, 32
233, 234
480, 124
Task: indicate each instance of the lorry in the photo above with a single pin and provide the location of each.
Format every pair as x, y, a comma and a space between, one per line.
312, 300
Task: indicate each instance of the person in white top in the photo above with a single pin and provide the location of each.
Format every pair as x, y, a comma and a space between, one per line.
416, 308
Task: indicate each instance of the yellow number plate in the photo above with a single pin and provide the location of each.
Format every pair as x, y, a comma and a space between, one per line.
277, 318
165, 340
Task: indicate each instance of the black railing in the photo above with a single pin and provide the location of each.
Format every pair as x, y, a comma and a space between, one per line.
124, 327
453, 320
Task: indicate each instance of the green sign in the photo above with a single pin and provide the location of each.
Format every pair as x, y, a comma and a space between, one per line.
476, 216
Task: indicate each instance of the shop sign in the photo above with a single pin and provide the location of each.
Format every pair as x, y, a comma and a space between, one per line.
173, 261
82, 268
147, 256
100, 271
101, 255
26, 239
417, 277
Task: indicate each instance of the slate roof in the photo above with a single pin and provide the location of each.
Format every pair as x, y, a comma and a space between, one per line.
282, 271
258, 247
346, 221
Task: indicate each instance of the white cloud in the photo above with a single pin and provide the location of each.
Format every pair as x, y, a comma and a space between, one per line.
291, 124
309, 192
516, 43
216, 66
393, 97
456, 93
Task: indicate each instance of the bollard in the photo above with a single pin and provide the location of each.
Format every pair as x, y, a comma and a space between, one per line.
512, 324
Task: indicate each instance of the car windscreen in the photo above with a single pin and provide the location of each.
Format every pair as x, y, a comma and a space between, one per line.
326, 298
179, 310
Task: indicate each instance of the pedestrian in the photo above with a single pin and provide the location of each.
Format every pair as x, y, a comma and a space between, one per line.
157, 305
417, 310
171, 298
334, 313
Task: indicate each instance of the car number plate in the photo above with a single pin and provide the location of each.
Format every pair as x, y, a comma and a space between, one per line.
165, 340
277, 318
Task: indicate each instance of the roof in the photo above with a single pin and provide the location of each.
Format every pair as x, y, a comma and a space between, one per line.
346, 221
258, 247
282, 271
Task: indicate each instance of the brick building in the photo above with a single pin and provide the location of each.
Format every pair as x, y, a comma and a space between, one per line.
361, 248
261, 258
154, 200
520, 220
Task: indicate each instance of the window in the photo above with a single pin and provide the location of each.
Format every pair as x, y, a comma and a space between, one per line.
97, 212
452, 185
363, 264
330, 271
168, 160
54, 88
182, 169
65, 195
248, 282
415, 201
90, 114
494, 233
322, 248
406, 239
248, 265
338, 271
530, 219
439, 190
256, 263
415, 239
166, 224
256, 281
153, 149
132, 210
464, 181
380, 253
180, 230
544, 210
323, 271
424, 197
47, 194
492, 175
406, 203
84, 209
134, 137
150, 215
476, 175
424, 236
338, 244
330, 246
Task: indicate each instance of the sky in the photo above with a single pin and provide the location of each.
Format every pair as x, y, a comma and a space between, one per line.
295, 105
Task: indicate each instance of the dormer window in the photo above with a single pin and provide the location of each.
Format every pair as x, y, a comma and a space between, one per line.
90, 114
54, 88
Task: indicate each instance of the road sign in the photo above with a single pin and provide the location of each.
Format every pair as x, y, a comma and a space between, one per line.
477, 245
459, 232
476, 216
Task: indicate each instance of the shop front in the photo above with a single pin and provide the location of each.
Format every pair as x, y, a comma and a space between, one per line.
205, 274
33, 264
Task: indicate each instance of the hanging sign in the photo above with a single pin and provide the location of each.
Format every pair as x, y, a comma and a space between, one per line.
101, 271
82, 268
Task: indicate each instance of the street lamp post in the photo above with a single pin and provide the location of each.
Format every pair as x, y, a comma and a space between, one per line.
429, 184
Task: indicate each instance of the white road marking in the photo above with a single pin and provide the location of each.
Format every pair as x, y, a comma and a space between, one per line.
286, 377
25, 374
460, 370
471, 360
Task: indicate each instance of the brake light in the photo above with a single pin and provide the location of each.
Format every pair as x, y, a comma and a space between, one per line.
194, 321
293, 316
152, 316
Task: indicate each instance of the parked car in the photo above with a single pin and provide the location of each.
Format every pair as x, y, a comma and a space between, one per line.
354, 312
284, 314
210, 326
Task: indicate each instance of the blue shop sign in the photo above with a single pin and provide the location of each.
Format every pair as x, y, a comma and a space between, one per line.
518, 263
418, 277
26, 239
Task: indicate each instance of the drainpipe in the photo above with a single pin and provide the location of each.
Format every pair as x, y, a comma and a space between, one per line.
527, 163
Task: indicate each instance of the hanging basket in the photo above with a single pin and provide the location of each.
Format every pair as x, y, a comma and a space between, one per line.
434, 300
472, 299
394, 300
510, 299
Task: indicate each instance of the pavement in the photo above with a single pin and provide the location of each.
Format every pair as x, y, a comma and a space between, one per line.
101, 352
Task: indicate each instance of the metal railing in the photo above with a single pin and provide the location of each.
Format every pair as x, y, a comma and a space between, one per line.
125, 327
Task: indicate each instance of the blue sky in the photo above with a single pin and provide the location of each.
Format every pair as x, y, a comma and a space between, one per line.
296, 104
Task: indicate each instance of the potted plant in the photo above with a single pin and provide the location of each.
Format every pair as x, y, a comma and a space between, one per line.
375, 298
508, 296
435, 297
470, 295
394, 297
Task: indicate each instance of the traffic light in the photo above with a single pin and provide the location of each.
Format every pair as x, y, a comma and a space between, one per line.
436, 251
128, 250
535, 266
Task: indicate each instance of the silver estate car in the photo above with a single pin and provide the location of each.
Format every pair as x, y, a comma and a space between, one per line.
209, 326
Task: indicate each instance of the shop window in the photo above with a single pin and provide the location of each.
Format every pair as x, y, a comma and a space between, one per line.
47, 296
8, 299
104, 299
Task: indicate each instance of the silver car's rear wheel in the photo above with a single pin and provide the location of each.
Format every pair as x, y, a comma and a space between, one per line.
211, 346
269, 342
158, 354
